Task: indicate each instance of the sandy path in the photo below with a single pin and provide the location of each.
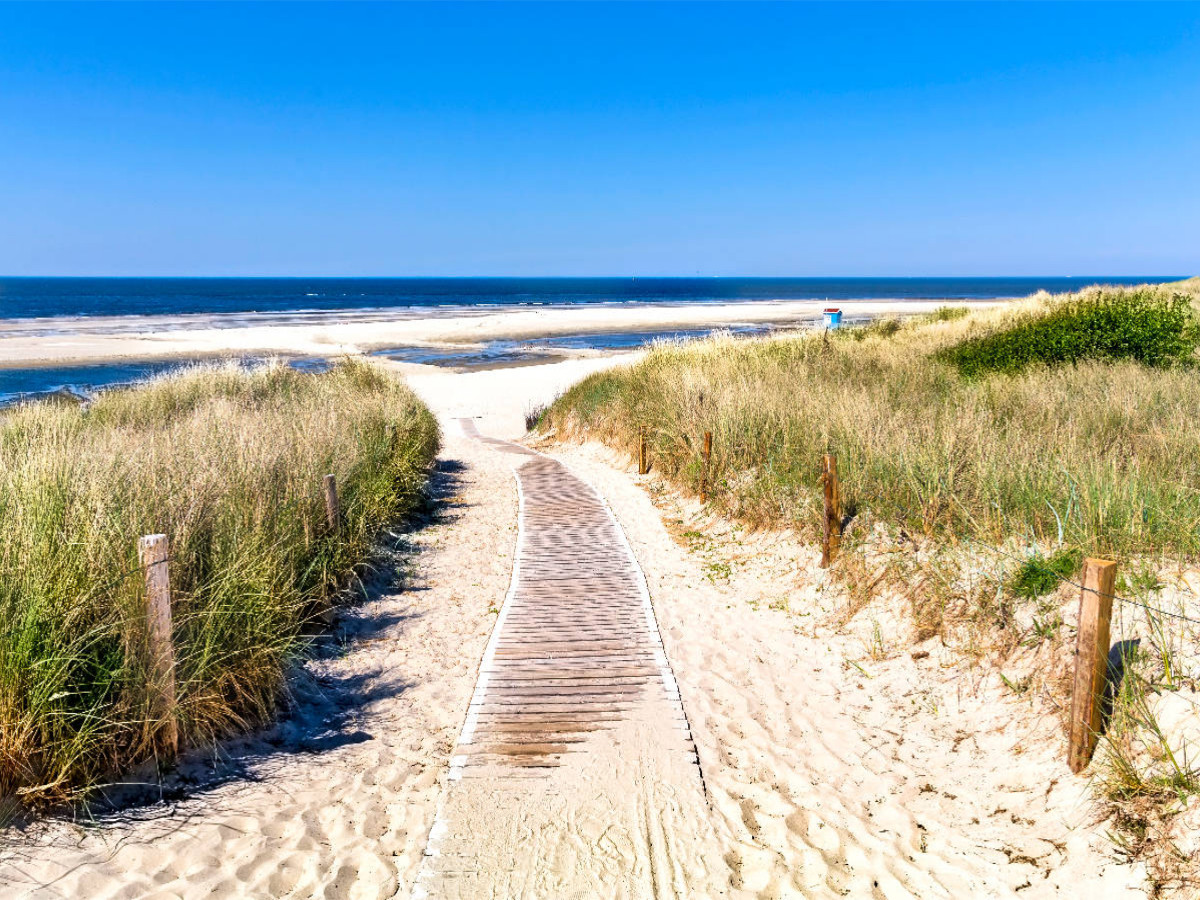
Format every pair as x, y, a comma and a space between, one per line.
338, 800
575, 774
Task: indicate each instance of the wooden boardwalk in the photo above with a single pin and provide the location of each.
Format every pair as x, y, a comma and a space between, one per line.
574, 673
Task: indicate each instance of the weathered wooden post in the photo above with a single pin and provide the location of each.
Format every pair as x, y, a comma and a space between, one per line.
707, 460
333, 510
1091, 660
831, 537
643, 456
153, 552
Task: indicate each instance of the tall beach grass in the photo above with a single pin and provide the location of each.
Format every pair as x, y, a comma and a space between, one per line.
1104, 455
226, 462
1006, 443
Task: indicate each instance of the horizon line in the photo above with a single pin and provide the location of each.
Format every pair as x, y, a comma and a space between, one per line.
587, 276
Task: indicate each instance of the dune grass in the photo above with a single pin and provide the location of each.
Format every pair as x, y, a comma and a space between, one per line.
228, 463
1006, 442
1102, 455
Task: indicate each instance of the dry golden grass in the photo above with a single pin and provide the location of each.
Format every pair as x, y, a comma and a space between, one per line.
971, 476
1103, 456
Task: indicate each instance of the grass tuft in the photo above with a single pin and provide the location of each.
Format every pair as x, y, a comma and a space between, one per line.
1040, 575
965, 437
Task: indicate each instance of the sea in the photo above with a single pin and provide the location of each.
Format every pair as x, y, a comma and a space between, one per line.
48, 306
23, 298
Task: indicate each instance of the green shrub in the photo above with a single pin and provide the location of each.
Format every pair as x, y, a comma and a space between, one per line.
1147, 326
1039, 575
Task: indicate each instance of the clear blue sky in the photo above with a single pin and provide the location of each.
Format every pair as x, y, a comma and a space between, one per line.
851, 139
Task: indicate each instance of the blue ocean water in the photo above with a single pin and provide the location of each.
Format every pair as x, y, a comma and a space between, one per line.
22, 298
80, 381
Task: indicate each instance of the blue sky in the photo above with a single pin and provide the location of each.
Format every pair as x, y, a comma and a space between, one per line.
848, 139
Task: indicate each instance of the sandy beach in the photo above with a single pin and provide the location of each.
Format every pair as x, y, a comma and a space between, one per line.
825, 772
32, 342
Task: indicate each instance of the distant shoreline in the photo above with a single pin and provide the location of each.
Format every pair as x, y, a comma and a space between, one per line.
29, 342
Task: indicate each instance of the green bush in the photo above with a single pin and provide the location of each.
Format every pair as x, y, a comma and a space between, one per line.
1039, 575
1149, 327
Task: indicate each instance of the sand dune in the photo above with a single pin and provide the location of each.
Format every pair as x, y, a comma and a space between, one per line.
832, 774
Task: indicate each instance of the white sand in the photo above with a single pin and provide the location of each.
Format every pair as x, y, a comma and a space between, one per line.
828, 773
56, 340
498, 399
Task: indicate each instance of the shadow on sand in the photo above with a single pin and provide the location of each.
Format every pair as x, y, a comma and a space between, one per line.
326, 705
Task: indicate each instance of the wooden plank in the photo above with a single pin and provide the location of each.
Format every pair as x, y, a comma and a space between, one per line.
548, 705
529, 736
516, 748
506, 680
568, 689
496, 718
585, 698
516, 652
575, 653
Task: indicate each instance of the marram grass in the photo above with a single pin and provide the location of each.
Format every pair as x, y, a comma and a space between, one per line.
226, 462
1040, 424
1100, 455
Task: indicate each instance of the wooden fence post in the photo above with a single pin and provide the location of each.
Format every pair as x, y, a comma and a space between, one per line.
153, 552
1091, 660
643, 456
333, 510
831, 537
707, 460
